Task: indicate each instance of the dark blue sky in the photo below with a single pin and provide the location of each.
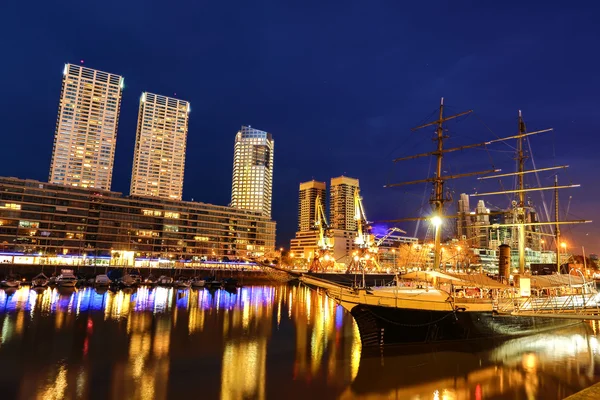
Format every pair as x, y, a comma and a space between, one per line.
338, 85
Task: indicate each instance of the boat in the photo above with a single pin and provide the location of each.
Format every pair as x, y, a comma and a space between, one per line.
182, 282
127, 281
66, 278
428, 307
213, 283
10, 282
102, 280
150, 280
198, 283
164, 280
39, 281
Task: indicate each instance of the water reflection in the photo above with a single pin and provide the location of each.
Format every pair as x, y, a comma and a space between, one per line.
258, 342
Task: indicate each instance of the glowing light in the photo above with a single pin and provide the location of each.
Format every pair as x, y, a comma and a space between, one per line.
436, 221
563, 245
65, 69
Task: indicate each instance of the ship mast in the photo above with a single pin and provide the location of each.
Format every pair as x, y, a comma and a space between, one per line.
521, 215
557, 228
437, 200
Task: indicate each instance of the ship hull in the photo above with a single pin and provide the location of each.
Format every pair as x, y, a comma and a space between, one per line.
353, 279
386, 326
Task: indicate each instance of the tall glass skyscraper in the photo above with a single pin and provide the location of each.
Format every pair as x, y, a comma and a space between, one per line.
160, 141
252, 183
86, 129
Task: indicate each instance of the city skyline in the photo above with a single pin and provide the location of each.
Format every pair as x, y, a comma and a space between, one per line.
349, 113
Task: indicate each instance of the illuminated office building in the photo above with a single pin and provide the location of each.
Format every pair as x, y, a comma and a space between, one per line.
160, 142
252, 181
86, 128
307, 197
341, 204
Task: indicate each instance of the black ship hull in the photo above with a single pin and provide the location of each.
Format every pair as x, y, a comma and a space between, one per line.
388, 326
355, 279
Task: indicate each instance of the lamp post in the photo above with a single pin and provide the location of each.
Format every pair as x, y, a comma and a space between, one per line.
564, 247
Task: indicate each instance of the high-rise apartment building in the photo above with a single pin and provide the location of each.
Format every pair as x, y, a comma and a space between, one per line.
86, 128
159, 155
341, 204
307, 198
252, 183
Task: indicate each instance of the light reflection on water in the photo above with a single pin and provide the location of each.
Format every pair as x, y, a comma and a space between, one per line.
259, 342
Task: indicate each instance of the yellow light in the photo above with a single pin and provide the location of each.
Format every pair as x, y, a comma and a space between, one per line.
436, 221
563, 245
355, 258
458, 248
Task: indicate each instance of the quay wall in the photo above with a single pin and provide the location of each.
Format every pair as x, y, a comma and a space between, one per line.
245, 275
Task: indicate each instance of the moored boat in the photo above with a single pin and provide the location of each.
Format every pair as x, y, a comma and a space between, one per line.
102, 280
39, 281
164, 280
10, 282
66, 278
198, 283
442, 307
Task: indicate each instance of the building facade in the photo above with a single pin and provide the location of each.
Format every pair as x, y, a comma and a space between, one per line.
252, 180
86, 128
160, 143
42, 218
307, 198
341, 204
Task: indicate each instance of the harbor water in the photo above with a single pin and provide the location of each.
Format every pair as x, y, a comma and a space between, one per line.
257, 342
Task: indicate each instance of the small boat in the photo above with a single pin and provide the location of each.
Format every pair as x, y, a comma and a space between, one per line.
213, 283
10, 282
198, 283
150, 280
102, 281
39, 281
182, 282
66, 278
164, 280
127, 281
137, 278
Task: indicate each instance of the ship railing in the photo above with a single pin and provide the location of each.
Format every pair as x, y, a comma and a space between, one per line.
585, 304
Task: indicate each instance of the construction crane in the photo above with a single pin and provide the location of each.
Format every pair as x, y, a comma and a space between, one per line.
324, 239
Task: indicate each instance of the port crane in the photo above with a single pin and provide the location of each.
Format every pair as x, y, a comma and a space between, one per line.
365, 258
324, 240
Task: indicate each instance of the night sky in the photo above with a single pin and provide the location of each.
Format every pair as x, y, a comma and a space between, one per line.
338, 84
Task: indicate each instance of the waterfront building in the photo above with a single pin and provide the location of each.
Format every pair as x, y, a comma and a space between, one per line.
86, 128
307, 197
59, 220
160, 143
252, 180
341, 204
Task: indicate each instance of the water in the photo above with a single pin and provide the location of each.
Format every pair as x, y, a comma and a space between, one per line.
261, 342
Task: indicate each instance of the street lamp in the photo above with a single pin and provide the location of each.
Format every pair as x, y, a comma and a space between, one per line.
564, 246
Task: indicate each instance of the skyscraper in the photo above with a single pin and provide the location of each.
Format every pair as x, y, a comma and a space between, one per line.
252, 183
159, 155
306, 203
86, 128
341, 205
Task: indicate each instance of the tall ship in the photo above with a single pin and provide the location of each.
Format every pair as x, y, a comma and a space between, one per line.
436, 306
